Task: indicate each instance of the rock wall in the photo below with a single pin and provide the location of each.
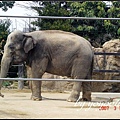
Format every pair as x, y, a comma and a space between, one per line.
113, 62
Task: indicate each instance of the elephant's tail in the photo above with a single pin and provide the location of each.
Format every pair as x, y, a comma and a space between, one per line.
90, 73
92, 66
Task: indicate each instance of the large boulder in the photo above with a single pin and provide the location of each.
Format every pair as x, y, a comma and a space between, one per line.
113, 63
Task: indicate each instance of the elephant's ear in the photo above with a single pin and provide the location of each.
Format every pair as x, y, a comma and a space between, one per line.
28, 43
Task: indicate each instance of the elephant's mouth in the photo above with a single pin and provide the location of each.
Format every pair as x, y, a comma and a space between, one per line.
17, 60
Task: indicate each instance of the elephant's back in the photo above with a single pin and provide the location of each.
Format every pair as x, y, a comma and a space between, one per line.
61, 39
57, 35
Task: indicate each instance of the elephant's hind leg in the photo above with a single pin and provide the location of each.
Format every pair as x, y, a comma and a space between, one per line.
86, 91
87, 87
74, 96
79, 71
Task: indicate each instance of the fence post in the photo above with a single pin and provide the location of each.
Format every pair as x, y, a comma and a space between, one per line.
21, 75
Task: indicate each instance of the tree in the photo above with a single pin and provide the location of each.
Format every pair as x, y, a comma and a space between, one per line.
92, 30
4, 31
96, 31
5, 23
113, 26
6, 4
54, 8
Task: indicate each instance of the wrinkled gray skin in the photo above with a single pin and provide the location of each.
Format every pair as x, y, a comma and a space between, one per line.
53, 51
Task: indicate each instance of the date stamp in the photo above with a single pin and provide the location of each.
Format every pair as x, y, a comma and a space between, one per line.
108, 107
100, 106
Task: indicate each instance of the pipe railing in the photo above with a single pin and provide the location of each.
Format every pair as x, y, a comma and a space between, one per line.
70, 80
57, 17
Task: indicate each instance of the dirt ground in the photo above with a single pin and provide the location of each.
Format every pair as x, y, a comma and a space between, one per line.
17, 104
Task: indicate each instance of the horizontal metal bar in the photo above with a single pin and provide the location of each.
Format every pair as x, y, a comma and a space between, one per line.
18, 65
93, 71
70, 80
118, 71
58, 17
12, 72
106, 70
104, 53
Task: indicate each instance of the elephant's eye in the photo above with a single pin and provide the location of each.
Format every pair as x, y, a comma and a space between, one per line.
11, 46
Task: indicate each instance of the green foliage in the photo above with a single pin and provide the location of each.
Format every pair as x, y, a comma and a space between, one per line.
90, 29
4, 31
6, 4
113, 26
96, 31
6, 83
118, 32
53, 9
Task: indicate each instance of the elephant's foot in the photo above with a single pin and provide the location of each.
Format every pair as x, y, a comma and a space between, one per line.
86, 96
36, 98
73, 98
1, 95
84, 99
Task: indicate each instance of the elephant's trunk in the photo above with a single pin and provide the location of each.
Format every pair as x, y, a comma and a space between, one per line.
5, 64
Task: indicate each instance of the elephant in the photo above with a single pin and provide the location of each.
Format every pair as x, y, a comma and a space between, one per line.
53, 51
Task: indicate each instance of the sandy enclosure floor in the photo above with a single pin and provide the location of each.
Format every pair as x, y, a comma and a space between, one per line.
17, 104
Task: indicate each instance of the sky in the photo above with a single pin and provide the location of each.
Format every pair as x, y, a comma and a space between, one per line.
17, 23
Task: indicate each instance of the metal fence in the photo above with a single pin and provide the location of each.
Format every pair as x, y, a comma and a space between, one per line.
75, 80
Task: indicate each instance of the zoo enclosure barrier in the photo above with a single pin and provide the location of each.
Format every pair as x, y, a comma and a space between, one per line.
20, 72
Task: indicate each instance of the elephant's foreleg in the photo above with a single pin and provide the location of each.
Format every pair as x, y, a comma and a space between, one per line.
1, 94
0, 88
36, 90
75, 92
37, 70
35, 86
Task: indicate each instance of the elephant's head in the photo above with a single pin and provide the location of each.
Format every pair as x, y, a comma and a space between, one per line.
16, 49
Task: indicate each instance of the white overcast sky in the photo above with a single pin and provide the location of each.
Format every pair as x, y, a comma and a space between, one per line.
18, 23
